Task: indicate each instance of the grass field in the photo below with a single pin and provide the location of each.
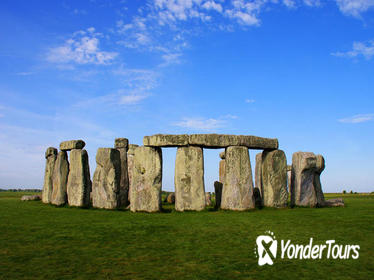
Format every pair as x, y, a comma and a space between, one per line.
39, 241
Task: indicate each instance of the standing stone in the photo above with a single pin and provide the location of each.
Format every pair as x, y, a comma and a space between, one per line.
121, 144
274, 178
189, 179
60, 178
258, 180
306, 187
222, 165
289, 177
50, 155
106, 179
208, 199
130, 165
79, 183
218, 192
237, 191
146, 182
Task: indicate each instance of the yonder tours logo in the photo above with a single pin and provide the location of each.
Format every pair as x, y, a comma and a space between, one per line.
267, 246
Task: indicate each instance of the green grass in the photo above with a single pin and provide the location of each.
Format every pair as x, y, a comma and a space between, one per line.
39, 241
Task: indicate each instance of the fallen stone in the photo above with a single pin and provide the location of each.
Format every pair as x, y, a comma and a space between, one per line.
106, 179
171, 198
60, 178
79, 183
50, 151
237, 193
306, 187
72, 144
30, 197
210, 141
334, 202
50, 155
274, 179
121, 143
189, 179
218, 193
146, 182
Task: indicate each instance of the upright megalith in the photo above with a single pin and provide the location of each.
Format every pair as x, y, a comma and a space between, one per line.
130, 165
106, 179
289, 177
50, 155
146, 182
274, 178
121, 144
189, 179
222, 167
306, 187
72, 144
218, 193
237, 193
258, 180
60, 178
79, 182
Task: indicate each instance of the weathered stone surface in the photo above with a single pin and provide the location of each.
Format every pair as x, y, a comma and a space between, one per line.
210, 141
222, 155
289, 167
51, 155
146, 182
79, 182
306, 187
258, 173
171, 198
237, 193
72, 144
124, 180
289, 178
189, 179
106, 179
274, 178
222, 164
166, 140
218, 193
121, 143
208, 199
30, 197
334, 202
50, 151
60, 178
130, 165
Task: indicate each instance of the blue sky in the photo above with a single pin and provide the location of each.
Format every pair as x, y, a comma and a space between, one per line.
297, 70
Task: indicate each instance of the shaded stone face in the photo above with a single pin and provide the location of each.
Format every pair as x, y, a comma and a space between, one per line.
222, 165
106, 179
60, 178
146, 180
210, 141
306, 187
51, 156
218, 192
79, 183
72, 144
258, 174
189, 179
121, 143
237, 193
274, 179
124, 180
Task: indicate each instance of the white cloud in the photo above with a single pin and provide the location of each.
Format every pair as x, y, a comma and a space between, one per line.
82, 48
211, 5
358, 118
131, 99
289, 3
312, 3
250, 101
201, 124
359, 49
354, 7
24, 73
171, 58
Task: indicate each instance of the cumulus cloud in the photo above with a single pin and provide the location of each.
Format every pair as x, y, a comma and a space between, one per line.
359, 49
82, 48
358, 118
354, 7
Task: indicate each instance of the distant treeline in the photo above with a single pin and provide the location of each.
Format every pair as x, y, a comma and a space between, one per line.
20, 190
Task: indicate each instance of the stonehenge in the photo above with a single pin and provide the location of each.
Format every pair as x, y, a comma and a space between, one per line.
130, 176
